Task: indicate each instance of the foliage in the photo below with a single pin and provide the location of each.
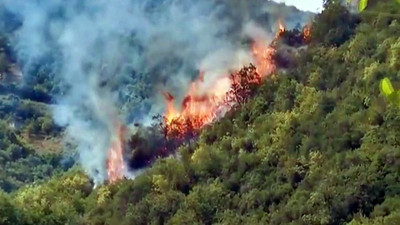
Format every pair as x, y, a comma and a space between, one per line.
23, 122
8, 212
362, 5
25, 126
317, 144
20, 164
334, 26
60, 201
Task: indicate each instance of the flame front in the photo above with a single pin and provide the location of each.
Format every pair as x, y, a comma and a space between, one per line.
198, 108
204, 104
115, 160
263, 57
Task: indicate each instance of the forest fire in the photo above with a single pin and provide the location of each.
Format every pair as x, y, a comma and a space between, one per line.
115, 160
198, 108
263, 57
203, 105
281, 29
306, 32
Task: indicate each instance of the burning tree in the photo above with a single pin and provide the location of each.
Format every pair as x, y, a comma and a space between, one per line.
202, 105
168, 133
186, 126
243, 83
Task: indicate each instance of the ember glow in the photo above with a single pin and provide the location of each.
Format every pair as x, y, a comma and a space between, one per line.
115, 160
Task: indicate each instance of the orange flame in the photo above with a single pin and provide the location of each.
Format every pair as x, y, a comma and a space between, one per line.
281, 29
204, 104
307, 33
115, 161
198, 108
263, 57
171, 113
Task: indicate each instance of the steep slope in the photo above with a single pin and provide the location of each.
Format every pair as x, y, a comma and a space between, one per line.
316, 145
29, 140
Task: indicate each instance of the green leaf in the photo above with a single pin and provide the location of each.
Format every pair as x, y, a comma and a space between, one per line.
394, 98
397, 99
386, 87
362, 5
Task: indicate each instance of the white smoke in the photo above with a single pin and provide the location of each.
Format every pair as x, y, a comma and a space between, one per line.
102, 46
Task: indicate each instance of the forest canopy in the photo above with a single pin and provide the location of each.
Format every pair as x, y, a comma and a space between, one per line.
317, 143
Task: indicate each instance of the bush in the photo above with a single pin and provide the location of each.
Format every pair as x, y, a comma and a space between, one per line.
334, 26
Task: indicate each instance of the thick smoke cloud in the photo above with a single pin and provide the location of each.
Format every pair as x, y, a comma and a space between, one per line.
115, 58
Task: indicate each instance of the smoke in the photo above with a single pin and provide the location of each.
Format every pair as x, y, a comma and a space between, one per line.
114, 58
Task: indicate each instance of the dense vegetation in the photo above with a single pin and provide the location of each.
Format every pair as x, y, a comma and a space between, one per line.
29, 143
317, 144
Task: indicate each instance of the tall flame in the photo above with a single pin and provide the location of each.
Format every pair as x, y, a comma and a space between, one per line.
307, 33
204, 104
281, 28
263, 57
198, 107
115, 160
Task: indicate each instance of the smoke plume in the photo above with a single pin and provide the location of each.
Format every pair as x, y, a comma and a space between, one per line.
114, 58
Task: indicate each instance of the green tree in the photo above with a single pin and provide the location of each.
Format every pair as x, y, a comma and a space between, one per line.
9, 214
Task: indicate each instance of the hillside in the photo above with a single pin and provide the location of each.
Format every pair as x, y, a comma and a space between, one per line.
90, 67
30, 142
316, 144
